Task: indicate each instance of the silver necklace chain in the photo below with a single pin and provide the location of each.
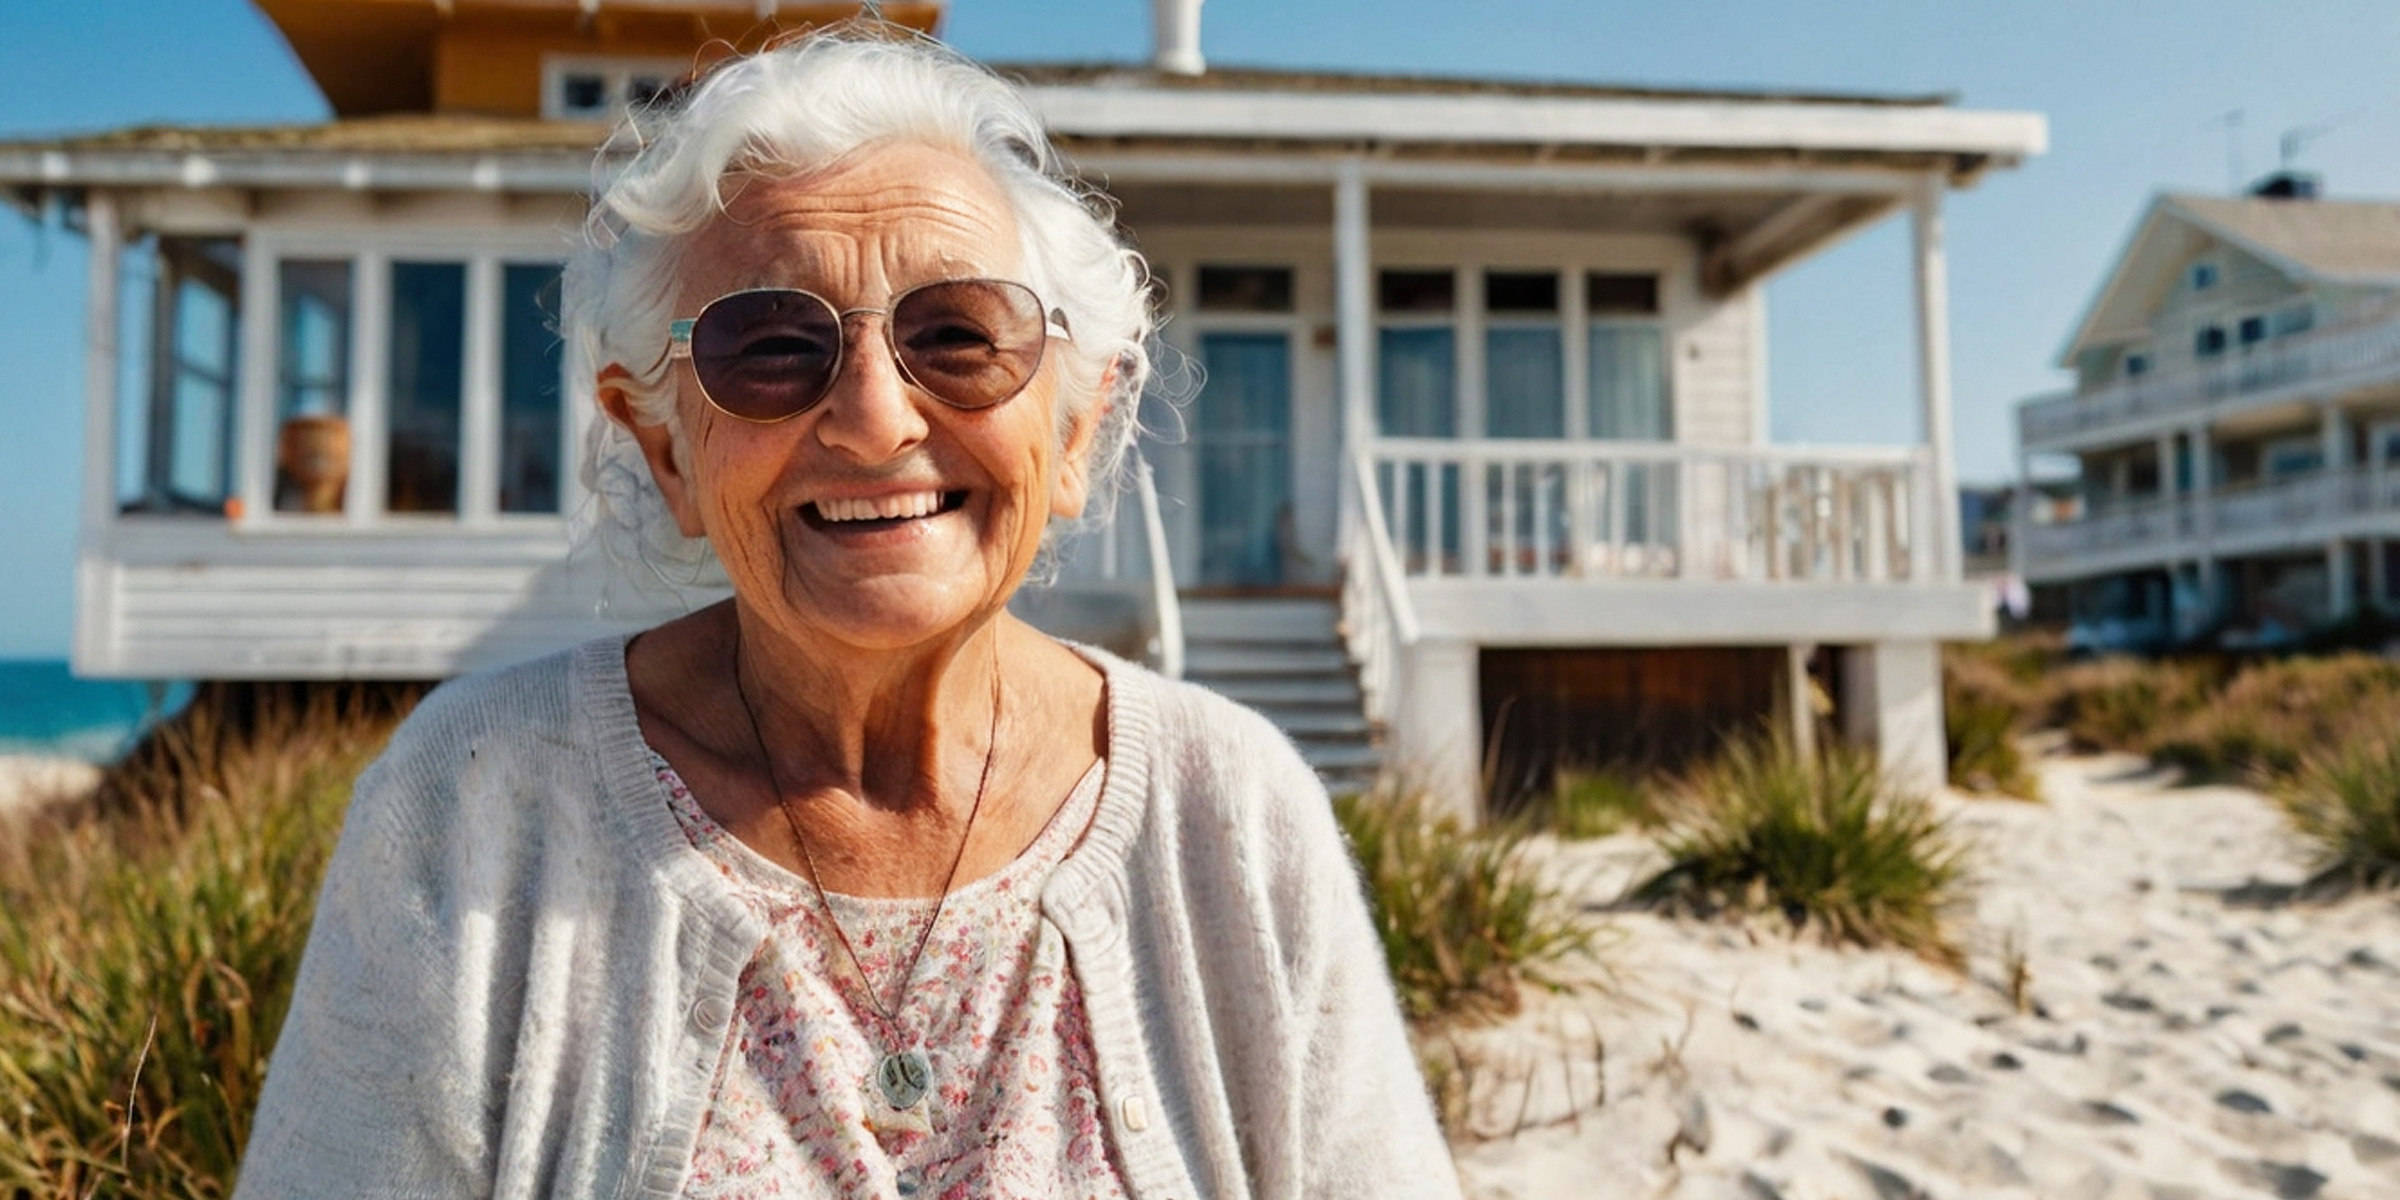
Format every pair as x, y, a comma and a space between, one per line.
904, 1076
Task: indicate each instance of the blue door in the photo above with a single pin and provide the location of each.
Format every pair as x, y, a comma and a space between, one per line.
1240, 428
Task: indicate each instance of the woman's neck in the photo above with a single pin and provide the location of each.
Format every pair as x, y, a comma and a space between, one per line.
895, 730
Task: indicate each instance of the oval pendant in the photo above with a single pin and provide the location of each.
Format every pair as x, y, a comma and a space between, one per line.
904, 1076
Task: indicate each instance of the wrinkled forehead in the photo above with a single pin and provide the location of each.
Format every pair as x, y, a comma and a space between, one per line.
883, 219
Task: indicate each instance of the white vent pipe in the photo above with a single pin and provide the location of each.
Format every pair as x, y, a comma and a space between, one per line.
1178, 37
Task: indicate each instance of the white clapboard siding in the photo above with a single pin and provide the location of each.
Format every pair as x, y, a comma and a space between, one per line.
1716, 375
427, 620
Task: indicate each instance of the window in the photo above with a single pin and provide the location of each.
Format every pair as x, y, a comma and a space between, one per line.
426, 349
2137, 365
532, 417
2252, 330
1611, 294
2286, 457
1524, 379
593, 88
2203, 276
180, 442
442, 399
1627, 389
1245, 289
312, 386
2209, 341
1417, 354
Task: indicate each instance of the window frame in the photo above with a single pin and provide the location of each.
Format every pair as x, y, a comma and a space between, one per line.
1470, 321
485, 254
617, 73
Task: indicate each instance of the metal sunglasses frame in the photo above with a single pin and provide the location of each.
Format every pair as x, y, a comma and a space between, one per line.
679, 342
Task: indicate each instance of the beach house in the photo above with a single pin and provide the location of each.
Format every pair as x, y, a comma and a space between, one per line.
2235, 420
1479, 482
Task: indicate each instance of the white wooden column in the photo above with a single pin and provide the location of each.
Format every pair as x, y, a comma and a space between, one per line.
1353, 297
95, 603
2335, 488
2204, 514
1933, 371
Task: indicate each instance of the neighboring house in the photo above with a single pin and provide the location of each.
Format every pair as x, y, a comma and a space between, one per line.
2236, 415
1481, 459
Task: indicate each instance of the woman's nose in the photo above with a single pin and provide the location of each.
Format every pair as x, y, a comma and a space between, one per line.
870, 414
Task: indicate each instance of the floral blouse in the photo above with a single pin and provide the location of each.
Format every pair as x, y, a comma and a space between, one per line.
1013, 1109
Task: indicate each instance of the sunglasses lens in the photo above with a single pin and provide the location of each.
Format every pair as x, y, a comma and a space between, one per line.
972, 343
766, 355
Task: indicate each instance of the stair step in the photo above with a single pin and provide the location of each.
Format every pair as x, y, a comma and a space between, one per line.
1271, 621
1267, 693
1342, 757
1319, 722
1206, 661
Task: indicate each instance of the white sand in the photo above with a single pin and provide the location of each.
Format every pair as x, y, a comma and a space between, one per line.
28, 782
2192, 1034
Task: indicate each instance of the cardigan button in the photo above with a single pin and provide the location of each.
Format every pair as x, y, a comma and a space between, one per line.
710, 1013
1135, 1114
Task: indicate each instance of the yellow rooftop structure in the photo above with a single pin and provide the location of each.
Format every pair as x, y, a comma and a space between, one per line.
535, 58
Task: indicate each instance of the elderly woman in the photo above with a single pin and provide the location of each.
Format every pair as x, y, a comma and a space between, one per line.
854, 884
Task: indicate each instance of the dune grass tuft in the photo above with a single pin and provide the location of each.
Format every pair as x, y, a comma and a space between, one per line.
1466, 921
1823, 840
148, 944
1986, 706
1592, 803
2345, 800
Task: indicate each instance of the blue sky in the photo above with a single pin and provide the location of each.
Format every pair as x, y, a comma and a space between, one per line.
2136, 92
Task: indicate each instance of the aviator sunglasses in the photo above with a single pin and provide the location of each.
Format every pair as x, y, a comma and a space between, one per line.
770, 354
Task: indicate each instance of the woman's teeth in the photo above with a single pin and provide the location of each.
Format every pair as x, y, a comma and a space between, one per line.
882, 508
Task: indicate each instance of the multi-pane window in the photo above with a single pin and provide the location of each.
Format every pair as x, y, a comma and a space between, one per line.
178, 449
594, 88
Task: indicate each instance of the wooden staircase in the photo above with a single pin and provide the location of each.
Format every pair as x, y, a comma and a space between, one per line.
1283, 656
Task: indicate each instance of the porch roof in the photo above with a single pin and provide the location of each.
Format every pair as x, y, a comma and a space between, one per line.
1113, 110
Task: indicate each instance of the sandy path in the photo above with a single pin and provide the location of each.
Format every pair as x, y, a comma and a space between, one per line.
2191, 1035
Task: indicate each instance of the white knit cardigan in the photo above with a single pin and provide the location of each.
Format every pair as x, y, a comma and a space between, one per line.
521, 973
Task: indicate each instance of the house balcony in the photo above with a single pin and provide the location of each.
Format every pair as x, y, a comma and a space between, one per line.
2319, 363
2278, 516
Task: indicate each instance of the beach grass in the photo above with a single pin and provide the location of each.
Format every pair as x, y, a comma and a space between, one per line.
1593, 803
2345, 801
148, 944
1466, 921
1823, 840
1988, 702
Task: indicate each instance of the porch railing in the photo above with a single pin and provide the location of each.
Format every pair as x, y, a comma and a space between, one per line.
1609, 510
1125, 571
1379, 622
2326, 354
2299, 509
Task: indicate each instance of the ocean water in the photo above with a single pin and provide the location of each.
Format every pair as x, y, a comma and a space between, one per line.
45, 710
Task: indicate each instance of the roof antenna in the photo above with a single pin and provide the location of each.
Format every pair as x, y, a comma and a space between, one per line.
2235, 177
2297, 138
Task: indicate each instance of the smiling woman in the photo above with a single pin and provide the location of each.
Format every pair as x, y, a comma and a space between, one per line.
853, 884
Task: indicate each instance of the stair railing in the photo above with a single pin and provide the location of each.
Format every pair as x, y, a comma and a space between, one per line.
1165, 606
1379, 622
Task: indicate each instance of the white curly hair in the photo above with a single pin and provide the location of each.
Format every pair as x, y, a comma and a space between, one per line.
789, 111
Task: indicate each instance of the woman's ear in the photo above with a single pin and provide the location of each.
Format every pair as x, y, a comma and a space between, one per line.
1072, 486
658, 448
